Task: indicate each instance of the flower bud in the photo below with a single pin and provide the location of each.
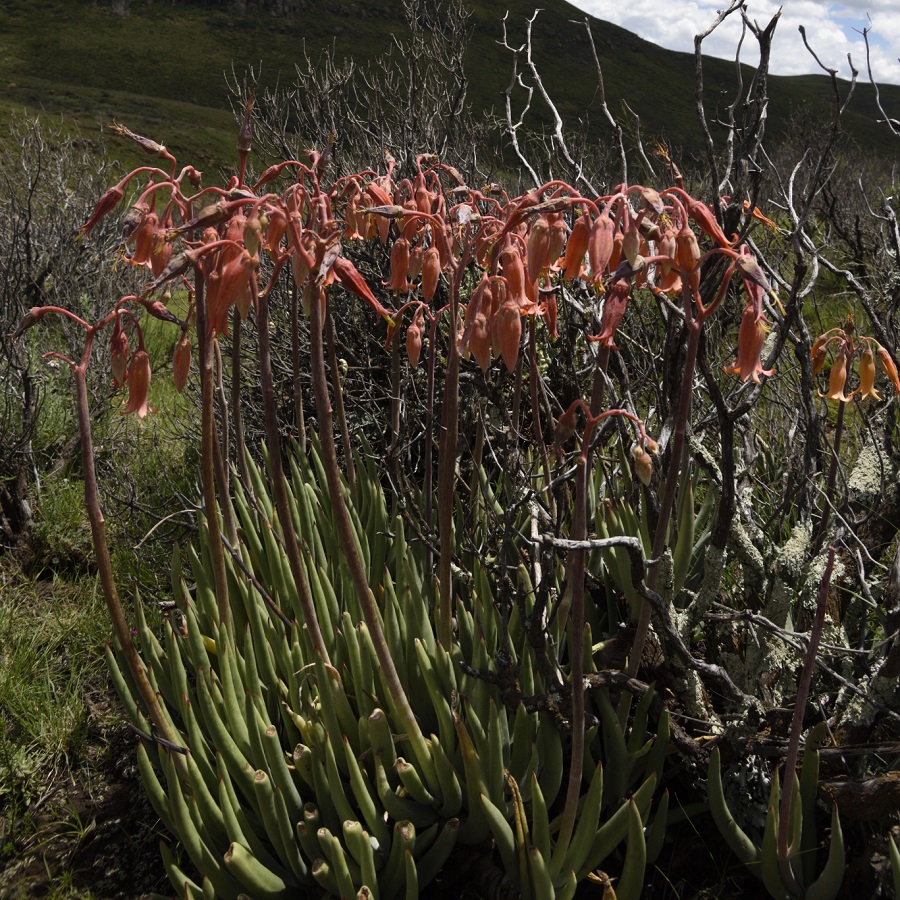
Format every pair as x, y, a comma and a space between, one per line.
838, 379
643, 465
819, 354
565, 426
414, 339
105, 205
181, 362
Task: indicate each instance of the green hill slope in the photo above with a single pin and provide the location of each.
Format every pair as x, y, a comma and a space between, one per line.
86, 60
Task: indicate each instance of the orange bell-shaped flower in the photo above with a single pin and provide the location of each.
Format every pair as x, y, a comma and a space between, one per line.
751, 338
506, 331
837, 380
601, 245
867, 375
887, 363
138, 385
538, 248
576, 248
398, 282
431, 271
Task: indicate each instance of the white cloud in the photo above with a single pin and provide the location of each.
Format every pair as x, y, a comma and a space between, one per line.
832, 29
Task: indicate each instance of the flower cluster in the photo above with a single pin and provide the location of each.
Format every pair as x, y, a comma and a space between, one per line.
845, 347
438, 230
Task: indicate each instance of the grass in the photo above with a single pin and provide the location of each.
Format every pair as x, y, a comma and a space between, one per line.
51, 639
66, 800
60, 768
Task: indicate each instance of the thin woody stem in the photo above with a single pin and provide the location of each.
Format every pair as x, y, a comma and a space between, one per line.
832, 479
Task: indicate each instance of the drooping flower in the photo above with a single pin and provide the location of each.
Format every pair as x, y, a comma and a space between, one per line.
538, 250
614, 306
576, 247
751, 337
143, 240
887, 363
838, 379
867, 375
105, 205
557, 237
431, 270
160, 253
398, 282
601, 244
509, 332
480, 341
643, 465
565, 426
138, 385
514, 272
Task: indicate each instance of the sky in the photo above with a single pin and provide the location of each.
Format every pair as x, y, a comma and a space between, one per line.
832, 29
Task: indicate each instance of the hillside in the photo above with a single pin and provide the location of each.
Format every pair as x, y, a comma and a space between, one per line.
87, 61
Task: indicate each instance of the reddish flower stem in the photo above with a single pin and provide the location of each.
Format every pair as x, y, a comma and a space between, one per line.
104, 564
